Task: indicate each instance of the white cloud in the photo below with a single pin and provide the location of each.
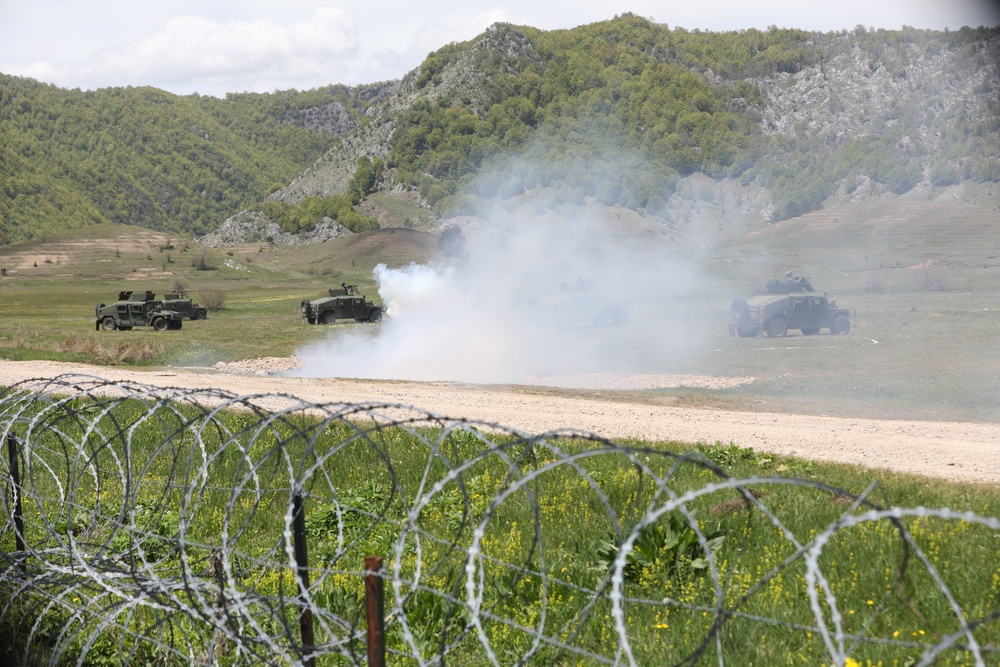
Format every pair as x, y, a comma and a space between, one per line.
258, 55
258, 45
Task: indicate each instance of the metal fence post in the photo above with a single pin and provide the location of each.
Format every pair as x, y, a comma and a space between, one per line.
302, 568
375, 606
15, 478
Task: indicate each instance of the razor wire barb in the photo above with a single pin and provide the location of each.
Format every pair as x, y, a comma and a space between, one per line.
158, 529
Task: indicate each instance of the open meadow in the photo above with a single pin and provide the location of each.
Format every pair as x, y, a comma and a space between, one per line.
924, 344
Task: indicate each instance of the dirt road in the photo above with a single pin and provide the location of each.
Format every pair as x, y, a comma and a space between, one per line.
955, 451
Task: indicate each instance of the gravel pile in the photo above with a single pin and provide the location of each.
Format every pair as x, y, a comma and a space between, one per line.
261, 366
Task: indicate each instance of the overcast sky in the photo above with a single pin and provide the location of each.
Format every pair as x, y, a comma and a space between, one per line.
221, 46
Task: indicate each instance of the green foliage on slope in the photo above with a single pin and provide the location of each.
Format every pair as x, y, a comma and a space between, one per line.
303, 216
626, 94
145, 157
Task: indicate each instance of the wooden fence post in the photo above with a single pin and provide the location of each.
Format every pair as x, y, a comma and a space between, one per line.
302, 568
15, 478
375, 606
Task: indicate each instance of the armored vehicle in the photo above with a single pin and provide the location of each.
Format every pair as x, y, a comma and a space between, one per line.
344, 303
775, 314
181, 303
136, 310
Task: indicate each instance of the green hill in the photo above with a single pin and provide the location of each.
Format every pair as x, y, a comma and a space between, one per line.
620, 112
623, 112
144, 157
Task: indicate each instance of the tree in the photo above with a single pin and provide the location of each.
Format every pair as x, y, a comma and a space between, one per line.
365, 180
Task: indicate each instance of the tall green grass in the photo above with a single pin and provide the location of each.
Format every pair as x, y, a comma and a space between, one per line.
155, 490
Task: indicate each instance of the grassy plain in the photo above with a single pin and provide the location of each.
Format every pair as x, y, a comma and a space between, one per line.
51, 287
924, 281
922, 278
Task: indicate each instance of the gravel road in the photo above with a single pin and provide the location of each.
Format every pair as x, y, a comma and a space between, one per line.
957, 451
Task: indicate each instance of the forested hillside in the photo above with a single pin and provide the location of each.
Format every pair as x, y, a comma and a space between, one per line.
621, 110
141, 156
616, 112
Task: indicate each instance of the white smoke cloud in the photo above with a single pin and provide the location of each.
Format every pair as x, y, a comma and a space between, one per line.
539, 292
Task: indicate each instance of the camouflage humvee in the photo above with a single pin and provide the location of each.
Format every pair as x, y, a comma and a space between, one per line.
136, 310
179, 302
344, 303
775, 314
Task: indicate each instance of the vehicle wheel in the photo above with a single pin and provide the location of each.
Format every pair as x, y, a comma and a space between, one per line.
777, 327
199, 314
840, 326
738, 310
810, 332
160, 324
108, 324
326, 318
747, 332
97, 311
375, 316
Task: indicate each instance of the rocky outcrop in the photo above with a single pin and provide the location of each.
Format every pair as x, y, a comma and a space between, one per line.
332, 118
855, 92
254, 227
462, 77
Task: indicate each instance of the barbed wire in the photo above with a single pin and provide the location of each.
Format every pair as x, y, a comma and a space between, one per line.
159, 525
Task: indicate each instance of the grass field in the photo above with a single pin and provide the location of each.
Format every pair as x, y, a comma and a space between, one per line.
50, 289
922, 278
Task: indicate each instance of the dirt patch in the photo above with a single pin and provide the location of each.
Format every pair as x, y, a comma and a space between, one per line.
32, 261
618, 381
957, 451
638, 381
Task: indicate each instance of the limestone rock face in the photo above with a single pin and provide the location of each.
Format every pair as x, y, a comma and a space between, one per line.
253, 227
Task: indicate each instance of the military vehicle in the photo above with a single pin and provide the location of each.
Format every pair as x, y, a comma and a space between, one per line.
344, 303
775, 314
181, 303
136, 310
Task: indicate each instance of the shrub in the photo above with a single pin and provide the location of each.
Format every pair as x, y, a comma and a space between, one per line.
213, 300
201, 263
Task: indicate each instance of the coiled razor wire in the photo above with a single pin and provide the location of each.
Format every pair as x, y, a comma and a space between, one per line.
158, 529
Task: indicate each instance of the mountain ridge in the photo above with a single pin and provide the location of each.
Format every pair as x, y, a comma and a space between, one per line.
623, 112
